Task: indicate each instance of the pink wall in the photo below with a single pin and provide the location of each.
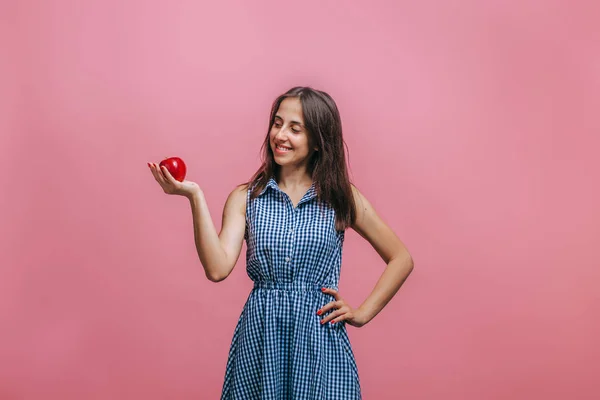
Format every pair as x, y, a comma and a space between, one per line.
472, 128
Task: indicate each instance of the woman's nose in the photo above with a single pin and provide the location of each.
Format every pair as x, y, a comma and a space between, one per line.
281, 133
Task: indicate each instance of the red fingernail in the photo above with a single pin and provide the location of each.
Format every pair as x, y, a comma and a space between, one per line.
323, 289
333, 322
319, 312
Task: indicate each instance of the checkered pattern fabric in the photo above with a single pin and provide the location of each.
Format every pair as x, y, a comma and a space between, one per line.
280, 350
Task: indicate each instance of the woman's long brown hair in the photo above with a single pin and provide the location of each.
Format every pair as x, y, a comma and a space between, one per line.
327, 166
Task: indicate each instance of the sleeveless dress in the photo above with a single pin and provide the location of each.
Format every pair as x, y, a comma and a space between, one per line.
280, 350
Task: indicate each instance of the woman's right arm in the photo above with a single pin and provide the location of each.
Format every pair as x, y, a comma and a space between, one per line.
219, 253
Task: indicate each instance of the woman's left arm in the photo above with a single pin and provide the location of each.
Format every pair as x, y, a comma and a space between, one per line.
389, 247
393, 252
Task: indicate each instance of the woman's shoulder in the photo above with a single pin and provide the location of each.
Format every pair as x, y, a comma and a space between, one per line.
242, 188
237, 197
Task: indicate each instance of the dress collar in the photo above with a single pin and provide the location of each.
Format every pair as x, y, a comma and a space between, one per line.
272, 184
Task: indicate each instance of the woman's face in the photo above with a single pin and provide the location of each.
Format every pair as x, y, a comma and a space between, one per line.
288, 136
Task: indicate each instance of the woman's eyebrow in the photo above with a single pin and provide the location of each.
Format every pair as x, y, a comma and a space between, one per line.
293, 122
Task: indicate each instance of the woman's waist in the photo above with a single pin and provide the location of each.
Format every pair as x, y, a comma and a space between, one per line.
293, 286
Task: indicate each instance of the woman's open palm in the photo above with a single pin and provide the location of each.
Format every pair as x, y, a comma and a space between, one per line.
170, 185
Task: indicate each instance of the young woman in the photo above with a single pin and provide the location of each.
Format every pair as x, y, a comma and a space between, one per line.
291, 341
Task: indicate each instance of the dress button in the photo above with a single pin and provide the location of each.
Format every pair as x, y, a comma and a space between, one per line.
287, 259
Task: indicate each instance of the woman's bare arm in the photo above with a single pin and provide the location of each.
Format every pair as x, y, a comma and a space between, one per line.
219, 253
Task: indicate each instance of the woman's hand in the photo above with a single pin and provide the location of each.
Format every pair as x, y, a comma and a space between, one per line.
170, 185
342, 311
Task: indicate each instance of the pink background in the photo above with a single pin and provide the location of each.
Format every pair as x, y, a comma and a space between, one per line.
472, 128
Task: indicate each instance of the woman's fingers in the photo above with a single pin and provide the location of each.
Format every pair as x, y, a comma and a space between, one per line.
153, 170
158, 176
329, 306
338, 315
167, 175
332, 292
338, 307
333, 315
345, 316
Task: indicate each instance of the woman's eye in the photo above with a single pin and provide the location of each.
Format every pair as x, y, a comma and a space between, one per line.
278, 125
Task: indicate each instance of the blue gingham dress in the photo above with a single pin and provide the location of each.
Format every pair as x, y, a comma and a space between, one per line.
280, 350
